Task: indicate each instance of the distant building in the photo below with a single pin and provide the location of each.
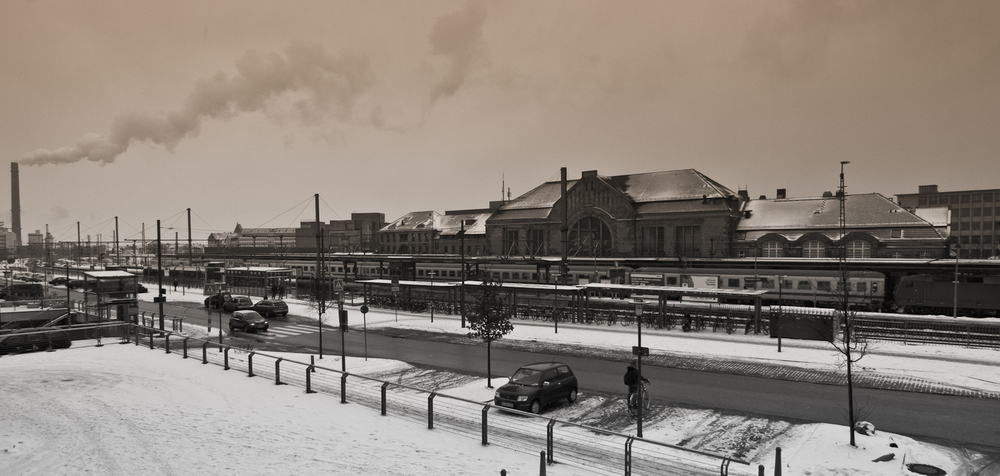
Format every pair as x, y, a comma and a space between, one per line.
810, 228
221, 240
672, 213
278, 238
975, 217
413, 233
357, 235
8, 239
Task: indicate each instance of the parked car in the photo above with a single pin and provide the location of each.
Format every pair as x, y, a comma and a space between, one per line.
271, 308
535, 386
239, 303
31, 340
216, 300
75, 283
247, 321
59, 281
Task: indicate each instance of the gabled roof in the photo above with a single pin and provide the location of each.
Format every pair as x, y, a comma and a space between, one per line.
641, 189
475, 223
414, 221
687, 184
823, 213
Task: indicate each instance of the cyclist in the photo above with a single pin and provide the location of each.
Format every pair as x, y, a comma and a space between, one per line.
632, 379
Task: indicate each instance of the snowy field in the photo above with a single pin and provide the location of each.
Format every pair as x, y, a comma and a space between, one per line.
121, 409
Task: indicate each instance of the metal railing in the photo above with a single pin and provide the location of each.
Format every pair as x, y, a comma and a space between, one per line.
563, 441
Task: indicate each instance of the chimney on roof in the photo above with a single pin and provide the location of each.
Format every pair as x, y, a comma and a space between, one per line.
927, 189
827, 194
746, 213
744, 193
781, 194
589, 173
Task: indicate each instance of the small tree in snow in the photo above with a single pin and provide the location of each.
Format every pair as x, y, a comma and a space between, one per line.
489, 318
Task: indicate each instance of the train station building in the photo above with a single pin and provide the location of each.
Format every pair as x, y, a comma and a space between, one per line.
876, 227
673, 213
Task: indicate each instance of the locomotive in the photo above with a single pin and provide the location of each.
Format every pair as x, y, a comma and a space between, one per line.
935, 294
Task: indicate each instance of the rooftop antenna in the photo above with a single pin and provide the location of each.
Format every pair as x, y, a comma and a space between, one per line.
503, 185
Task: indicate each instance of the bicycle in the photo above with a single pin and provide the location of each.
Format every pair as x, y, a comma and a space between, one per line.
633, 409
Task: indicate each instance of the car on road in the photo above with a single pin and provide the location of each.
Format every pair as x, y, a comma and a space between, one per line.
535, 386
247, 321
216, 300
238, 303
59, 281
271, 308
32, 340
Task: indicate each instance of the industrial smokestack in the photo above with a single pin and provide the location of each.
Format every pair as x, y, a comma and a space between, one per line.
15, 203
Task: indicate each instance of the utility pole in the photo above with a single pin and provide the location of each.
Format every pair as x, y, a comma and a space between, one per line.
317, 286
159, 274
190, 248
118, 252
848, 323
79, 244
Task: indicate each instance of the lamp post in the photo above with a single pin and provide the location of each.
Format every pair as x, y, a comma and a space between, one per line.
431, 274
781, 309
954, 309
638, 351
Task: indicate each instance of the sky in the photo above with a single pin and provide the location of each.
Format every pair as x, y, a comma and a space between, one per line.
60, 418
242, 111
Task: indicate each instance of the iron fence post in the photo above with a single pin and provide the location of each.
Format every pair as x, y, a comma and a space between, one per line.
309, 371
430, 411
225, 359
166, 343
204, 353
250, 365
486, 410
549, 437
277, 371
384, 386
185, 343
343, 387
628, 456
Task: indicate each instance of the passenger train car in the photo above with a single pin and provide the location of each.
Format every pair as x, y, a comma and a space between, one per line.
865, 289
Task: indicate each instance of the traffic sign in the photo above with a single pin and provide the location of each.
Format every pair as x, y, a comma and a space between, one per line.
640, 351
338, 285
364, 309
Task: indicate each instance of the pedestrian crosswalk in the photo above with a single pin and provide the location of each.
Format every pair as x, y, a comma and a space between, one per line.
288, 331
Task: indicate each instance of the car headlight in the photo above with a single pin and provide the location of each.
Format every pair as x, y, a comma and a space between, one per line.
496, 394
522, 398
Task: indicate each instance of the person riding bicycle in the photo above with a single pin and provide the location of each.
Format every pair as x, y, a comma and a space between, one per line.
632, 379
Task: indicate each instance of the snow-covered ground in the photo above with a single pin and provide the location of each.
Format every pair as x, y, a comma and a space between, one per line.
127, 410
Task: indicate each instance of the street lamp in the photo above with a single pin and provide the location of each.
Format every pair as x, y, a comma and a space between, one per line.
638, 351
431, 274
954, 309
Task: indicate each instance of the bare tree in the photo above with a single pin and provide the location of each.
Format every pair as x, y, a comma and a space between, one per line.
489, 318
851, 346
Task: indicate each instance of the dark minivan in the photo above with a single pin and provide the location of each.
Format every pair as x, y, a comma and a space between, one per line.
534, 386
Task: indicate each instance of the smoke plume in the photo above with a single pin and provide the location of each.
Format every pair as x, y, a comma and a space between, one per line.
306, 79
458, 37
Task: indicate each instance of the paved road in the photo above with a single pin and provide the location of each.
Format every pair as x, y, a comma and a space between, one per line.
954, 418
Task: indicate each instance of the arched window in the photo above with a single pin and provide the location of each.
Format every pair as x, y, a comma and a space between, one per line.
772, 249
859, 249
590, 237
814, 249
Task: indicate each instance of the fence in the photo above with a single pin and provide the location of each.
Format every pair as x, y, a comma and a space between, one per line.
563, 441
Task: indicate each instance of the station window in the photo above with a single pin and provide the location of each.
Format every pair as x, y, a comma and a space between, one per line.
772, 249
859, 249
805, 285
823, 285
965, 198
814, 249
671, 281
734, 282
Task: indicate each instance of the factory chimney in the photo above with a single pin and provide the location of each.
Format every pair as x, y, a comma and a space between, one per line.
15, 203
